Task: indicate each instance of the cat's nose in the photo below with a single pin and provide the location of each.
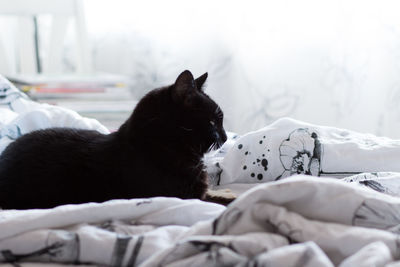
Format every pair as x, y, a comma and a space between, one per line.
223, 136
216, 135
220, 137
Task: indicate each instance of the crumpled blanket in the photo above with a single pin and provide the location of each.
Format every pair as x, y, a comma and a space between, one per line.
302, 221
20, 115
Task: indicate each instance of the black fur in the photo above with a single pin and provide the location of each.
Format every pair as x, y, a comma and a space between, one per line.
157, 152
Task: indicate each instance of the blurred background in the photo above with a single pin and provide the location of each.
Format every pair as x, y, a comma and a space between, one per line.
328, 62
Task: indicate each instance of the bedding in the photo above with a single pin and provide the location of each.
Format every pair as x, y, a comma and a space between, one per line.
287, 147
309, 196
19, 115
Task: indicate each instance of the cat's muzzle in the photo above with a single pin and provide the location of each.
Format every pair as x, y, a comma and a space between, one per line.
220, 139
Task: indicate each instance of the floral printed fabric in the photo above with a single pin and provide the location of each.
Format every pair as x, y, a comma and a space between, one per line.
288, 147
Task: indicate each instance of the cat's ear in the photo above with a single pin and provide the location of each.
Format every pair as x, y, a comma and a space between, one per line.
184, 87
200, 81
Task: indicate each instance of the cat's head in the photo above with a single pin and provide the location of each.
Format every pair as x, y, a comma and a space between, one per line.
181, 113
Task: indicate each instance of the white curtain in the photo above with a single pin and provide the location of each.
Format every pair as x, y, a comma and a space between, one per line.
328, 62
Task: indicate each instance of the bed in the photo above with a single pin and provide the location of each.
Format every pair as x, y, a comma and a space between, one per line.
308, 195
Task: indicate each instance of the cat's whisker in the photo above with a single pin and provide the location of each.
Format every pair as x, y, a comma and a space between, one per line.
186, 129
197, 165
210, 148
194, 152
213, 147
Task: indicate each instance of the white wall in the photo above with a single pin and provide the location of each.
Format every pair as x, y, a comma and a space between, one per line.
330, 62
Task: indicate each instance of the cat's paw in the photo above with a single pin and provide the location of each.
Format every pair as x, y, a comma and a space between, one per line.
222, 196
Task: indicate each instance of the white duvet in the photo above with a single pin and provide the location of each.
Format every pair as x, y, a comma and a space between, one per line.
288, 218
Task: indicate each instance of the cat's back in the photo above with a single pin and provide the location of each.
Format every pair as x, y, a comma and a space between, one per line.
54, 141
54, 151
46, 168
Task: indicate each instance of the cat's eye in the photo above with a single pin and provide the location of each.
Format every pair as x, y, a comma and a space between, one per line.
212, 123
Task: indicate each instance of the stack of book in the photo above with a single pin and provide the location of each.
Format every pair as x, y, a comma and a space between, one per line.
105, 97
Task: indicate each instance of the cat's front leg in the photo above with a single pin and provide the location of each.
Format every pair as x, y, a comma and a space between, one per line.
221, 196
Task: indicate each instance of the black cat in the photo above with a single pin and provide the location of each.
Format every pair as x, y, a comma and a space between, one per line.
157, 152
